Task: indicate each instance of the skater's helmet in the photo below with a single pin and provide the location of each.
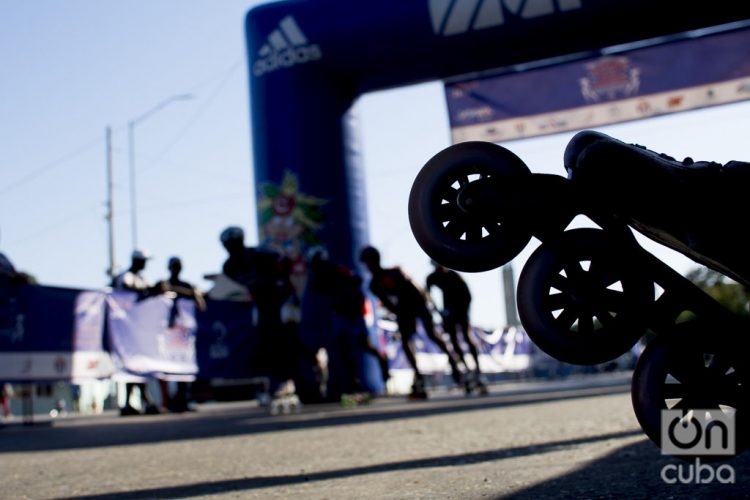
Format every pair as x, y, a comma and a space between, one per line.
316, 253
232, 233
369, 255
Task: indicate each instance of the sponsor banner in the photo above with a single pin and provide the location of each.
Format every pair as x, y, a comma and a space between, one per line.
30, 366
227, 340
502, 350
152, 336
50, 333
37, 318
87, 365
88, 326
57, 334
632, 85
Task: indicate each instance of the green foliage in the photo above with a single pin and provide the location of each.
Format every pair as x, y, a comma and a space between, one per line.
730, 294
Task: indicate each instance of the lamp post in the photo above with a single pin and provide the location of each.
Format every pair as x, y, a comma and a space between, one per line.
131, 156
112, 271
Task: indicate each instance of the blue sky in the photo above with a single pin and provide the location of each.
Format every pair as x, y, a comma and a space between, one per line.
72, 68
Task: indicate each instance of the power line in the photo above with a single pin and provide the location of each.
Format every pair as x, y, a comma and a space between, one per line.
56, 163
189, 124
218, 75
62, 221
224, 75
78, 214
199, 201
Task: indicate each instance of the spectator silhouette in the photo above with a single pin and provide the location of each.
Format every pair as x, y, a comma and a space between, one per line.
182, 289
10, 282
133, 280
6, 393
9, 275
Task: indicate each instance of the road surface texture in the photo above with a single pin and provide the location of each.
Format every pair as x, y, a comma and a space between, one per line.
576, 438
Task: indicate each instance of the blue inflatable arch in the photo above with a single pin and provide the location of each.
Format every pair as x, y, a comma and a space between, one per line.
310, 59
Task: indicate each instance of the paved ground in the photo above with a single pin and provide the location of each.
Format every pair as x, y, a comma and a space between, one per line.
576, 438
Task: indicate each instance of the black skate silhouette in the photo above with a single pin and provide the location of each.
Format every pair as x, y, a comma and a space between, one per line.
587, 295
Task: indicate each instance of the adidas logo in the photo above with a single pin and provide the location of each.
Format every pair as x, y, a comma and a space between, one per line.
454, 17
286, 46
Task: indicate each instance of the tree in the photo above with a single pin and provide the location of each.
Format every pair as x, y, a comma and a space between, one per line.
729, 293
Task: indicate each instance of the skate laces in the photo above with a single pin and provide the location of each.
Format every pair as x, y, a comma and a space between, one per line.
661, 155
687, 161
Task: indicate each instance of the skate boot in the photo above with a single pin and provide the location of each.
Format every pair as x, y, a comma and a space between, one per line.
481, 387
356, 399
469, 385
285, 400
458, 376
696, 208
474, 383
384, 369
418, 391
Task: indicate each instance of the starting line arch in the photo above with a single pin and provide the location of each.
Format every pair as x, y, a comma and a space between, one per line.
309, 60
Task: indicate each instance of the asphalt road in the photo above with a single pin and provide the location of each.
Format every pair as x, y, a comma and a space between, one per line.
576, 438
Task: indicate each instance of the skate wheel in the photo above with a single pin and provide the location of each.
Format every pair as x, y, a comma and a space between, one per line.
579, 300
682, 377
450, 233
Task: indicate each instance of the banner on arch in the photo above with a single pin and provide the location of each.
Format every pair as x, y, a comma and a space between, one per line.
632, 85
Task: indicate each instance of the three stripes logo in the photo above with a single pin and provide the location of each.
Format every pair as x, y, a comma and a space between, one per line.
454, 17
286, 46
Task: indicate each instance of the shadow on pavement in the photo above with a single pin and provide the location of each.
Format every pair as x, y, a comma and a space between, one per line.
112, 431
253, 483
634, 472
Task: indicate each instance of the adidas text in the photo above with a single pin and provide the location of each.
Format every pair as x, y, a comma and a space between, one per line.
287, 58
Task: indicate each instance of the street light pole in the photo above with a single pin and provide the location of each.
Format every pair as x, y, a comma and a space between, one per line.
112, 271
131, 156
131, 161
